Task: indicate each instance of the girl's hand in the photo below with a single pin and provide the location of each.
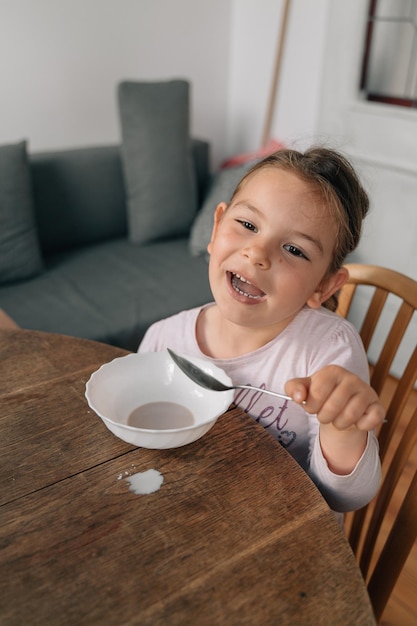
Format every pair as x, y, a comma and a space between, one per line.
346, 408
338, 397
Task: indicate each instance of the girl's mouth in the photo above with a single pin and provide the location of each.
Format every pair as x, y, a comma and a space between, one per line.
245, 288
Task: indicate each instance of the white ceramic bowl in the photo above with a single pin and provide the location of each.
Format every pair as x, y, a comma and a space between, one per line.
123, 393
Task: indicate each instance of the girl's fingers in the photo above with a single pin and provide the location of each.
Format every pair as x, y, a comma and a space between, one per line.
298, 389
339, 397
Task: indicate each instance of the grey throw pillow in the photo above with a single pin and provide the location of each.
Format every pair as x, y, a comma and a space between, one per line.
220, 190
20, 255
156, 157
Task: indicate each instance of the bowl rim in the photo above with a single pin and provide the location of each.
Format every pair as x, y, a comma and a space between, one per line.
137, 429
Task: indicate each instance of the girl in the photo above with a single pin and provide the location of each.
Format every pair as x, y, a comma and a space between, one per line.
276, 255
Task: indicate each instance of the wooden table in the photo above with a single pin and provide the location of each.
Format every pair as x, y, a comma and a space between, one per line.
237, 534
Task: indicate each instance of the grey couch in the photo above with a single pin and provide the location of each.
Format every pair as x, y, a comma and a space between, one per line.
95, 282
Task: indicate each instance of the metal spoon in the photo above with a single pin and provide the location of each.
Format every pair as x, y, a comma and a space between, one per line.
209, 382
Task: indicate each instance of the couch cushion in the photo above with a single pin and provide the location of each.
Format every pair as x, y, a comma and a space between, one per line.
20, 255
220, 190
156, 151
110, 292
79, 197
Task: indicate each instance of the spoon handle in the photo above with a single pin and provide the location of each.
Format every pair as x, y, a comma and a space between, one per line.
267, 391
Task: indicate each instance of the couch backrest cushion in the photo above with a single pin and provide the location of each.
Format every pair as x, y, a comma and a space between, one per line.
79, 197
156, 157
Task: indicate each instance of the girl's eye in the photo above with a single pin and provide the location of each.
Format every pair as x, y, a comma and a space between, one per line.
248, 225
295, 251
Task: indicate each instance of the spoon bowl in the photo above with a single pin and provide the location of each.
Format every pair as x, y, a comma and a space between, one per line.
210, 382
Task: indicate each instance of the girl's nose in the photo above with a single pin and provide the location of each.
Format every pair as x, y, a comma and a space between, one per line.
257, 255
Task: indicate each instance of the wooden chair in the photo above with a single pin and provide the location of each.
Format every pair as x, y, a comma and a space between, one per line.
382, 550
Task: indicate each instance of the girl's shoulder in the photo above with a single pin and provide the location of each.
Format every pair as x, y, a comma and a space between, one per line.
174, 331
320, 327
322, 321
319, 337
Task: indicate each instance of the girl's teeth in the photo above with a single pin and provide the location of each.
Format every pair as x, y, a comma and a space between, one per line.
242, 279
243, 293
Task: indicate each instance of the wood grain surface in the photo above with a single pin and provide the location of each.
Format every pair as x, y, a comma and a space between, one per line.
237, 533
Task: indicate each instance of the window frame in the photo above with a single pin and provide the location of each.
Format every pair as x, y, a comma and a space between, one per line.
390, 99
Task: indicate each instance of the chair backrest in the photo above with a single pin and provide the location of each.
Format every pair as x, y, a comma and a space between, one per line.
381, 546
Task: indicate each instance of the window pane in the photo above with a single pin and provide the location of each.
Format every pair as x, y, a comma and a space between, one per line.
389, 71
389, 60
394, 8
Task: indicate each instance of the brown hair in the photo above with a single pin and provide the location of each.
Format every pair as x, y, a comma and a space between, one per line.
333, 177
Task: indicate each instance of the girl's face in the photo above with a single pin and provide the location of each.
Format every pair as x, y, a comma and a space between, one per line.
270, 251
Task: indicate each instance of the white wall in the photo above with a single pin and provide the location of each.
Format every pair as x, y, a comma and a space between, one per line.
253, 42
60, 62
299, 92
256, 28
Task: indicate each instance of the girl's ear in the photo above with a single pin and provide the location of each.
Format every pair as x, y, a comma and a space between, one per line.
328, 287
220, 209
